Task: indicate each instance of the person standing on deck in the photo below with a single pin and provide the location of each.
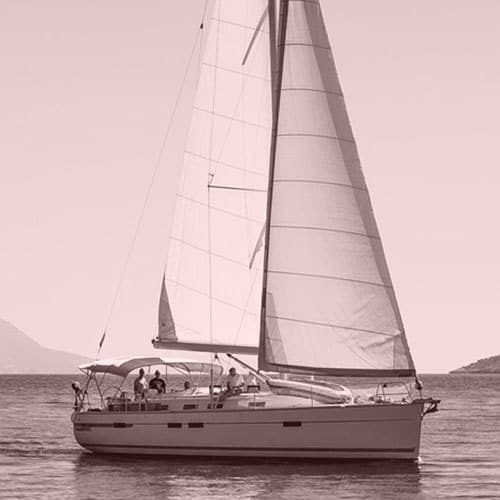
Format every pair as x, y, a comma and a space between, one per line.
140, 385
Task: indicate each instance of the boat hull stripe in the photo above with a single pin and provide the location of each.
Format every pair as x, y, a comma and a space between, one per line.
89, 424
251, 448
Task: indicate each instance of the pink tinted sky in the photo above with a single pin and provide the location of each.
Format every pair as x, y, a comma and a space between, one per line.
86, 90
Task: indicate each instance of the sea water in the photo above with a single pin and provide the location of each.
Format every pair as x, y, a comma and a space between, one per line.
460, 456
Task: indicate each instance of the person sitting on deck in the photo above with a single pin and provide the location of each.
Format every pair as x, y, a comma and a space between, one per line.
158, 383
234, 384
140, 386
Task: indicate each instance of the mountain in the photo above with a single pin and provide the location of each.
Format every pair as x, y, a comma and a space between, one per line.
21, 354
486, 365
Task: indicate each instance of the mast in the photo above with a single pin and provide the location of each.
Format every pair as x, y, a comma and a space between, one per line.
277, 56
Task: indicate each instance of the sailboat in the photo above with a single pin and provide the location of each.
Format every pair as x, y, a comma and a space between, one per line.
274, 253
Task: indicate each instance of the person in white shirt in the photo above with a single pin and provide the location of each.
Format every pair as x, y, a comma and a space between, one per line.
234, 384
140, 386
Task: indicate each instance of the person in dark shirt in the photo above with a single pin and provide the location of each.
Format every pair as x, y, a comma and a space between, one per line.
158, 383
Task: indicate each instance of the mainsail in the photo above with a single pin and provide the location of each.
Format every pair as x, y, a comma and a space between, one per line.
329, 304
214, 266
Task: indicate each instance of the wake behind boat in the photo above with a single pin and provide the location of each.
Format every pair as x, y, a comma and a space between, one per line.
274, 252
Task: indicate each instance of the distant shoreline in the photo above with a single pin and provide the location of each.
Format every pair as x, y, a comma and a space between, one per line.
475, 372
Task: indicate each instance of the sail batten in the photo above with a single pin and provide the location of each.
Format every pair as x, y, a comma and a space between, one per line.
319, 136
341, 327
326, 276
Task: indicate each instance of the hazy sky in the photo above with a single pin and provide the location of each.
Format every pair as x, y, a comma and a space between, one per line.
86, 91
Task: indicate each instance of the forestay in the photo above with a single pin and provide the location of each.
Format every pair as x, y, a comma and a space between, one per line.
214, 267
329, 301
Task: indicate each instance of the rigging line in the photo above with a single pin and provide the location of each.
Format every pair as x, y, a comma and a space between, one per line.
232, 118
200, 54
217, 209
224, 164
182, 181
243, 144
203, 294
247, 303
228, 130
239, 25
233, 71
151, 183
237, 188
209, 181
200, 249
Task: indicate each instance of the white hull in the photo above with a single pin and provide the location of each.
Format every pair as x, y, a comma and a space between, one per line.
341, 432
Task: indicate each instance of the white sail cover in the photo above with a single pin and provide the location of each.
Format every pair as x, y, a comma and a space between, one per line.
329, 305
214, 267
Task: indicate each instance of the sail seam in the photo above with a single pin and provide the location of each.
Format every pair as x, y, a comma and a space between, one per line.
229, 165
204, 250
195, 290
232, 23
304, 134
312, 2
319, 91
339, 278
217, 209
231, 118
312, 228
222, 68
328, 183
304, 44
329, 325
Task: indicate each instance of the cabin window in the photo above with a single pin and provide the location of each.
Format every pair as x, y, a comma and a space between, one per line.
292, 424
190, 407
174, 425
195, 425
